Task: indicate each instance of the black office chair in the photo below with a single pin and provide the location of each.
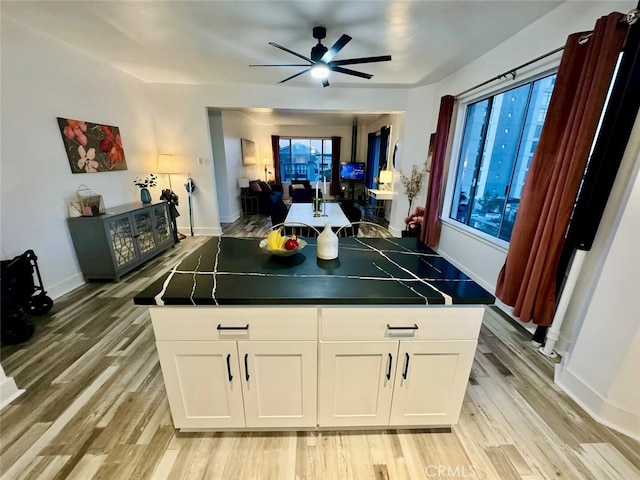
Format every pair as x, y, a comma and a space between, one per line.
304, 195
279, 212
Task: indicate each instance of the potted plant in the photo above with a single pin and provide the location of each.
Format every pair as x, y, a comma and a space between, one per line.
413, 183
149, 181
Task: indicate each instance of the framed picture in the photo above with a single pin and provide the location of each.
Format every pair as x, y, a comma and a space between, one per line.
432, 139
92, 147
248, 152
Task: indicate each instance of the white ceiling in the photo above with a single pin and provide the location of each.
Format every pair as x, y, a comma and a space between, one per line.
213, 42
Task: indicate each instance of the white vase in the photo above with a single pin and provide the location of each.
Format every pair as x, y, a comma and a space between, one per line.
327, 244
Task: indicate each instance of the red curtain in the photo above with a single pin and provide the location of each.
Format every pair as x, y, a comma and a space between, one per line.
430, 233
527, 280
275, 151
334, 187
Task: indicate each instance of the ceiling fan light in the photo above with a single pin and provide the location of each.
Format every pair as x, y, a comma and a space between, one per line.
319, 71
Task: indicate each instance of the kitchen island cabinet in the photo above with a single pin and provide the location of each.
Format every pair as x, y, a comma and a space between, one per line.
381, 337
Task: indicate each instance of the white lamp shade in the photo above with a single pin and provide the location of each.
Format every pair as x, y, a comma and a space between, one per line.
167, 164
386, 176
243, 182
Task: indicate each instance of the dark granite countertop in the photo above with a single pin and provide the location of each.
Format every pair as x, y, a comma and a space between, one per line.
368, 271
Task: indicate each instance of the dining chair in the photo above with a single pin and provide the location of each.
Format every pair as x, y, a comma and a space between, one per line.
364, 229
297, 228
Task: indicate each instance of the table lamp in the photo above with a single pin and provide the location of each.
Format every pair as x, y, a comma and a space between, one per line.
386, 178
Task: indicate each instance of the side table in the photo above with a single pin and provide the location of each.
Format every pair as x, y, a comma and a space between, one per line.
249, 205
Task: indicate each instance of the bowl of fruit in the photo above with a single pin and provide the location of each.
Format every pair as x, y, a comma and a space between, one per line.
282, 245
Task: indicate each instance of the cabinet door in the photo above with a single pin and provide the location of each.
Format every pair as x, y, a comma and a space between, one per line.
356, 383
431, 379
279, 382
161, 225
144, 232
203, 384
121, 233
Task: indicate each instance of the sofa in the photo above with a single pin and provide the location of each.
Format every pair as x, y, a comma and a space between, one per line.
266, 194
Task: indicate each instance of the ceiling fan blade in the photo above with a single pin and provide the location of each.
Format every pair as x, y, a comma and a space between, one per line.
283, 65
351, 72
291, 52
329, 54
294, 76
325, 82
353, 61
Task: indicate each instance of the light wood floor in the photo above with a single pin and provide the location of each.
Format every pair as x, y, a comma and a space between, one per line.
95, 408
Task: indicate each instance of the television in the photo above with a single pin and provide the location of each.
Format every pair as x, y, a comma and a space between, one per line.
352, 171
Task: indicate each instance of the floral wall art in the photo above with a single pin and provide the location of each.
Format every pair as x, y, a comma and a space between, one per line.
92, 147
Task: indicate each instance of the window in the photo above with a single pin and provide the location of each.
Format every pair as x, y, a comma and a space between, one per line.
499, 137
305, 159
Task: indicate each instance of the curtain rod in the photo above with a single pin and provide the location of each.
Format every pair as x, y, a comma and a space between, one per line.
630, 18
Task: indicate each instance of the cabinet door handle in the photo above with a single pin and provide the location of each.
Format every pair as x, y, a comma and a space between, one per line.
246, 366
414, 327
220, 327
406, 366
229, 367
389, 367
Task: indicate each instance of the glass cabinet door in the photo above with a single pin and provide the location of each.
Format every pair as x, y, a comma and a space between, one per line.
161, 223
122, 240
144, 231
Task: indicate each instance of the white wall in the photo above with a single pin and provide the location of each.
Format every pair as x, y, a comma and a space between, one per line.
43, 79
602, 369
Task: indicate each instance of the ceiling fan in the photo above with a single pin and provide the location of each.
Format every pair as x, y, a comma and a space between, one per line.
321, 61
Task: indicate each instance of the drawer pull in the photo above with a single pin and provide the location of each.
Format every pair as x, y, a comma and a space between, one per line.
389, 367
246, 366
406, 366
229, 367
414, 327
220, 327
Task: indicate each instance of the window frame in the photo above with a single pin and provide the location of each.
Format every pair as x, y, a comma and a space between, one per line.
456, 146
291, 138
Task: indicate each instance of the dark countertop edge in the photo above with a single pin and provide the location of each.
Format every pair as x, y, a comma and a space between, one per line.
315, 302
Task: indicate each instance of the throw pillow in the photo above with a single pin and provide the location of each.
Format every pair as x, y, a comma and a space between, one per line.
265, 186
255, 186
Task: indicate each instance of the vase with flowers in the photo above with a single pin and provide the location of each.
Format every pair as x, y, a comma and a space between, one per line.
413, 223
145, 183
413, 183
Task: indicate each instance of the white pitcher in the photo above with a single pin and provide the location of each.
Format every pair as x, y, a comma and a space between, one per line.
327, 244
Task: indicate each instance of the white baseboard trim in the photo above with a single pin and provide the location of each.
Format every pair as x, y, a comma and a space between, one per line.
65, 286
601, 410
9, 391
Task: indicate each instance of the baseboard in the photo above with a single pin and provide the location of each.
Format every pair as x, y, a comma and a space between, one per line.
602, 411
9, 391
65, 286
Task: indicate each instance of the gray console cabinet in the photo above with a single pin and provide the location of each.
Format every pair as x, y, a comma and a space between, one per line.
110, 245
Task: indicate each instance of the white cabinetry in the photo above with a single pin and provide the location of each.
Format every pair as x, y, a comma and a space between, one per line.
381, 367
258, 368
224, 369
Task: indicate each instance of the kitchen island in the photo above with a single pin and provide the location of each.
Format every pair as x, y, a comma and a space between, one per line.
382, 336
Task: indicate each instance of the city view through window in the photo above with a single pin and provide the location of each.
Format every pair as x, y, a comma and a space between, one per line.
499, 138
305, 159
